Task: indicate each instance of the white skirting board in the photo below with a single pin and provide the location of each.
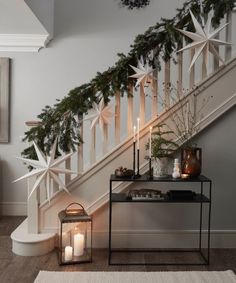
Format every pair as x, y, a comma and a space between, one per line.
27, 244
13, 208
162, 238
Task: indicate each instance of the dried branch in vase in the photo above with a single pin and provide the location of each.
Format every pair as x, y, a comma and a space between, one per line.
185, 118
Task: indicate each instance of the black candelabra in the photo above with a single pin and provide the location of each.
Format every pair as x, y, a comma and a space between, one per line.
138, 175
135, 175
150, 175
134, 157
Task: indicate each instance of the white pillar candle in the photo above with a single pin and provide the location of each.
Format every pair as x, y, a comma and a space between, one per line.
78, 244
138, 128
134, 138
68, 253
150, 142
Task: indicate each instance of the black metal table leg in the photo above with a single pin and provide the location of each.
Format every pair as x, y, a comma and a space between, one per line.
200, 228
209, 226
110, 218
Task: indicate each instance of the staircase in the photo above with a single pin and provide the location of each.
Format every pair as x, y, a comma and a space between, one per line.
112, 147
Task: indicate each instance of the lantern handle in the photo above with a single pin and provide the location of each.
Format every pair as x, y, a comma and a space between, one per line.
73, 204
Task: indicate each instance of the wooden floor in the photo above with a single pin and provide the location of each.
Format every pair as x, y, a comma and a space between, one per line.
19, 269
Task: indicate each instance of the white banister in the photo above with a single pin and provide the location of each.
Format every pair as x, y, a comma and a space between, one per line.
184, 78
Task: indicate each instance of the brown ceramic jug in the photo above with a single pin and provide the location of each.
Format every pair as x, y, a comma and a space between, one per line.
191, 160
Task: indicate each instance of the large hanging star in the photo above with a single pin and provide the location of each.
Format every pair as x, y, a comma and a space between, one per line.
100, 114
46, 168
203, 40
143, 74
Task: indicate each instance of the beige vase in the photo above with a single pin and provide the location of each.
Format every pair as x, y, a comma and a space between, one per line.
160, 167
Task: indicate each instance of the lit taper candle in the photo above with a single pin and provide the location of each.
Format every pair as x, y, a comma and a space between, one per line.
134, 138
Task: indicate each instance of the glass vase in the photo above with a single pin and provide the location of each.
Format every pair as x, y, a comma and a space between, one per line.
191, 160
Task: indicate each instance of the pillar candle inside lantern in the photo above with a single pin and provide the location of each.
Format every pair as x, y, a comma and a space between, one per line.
68, 253
78, 244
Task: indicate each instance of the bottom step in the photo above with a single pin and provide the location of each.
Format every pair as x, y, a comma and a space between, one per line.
26, 244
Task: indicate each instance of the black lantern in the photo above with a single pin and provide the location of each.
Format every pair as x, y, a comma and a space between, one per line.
75, 235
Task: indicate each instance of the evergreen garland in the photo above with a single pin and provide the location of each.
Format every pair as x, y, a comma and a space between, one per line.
63, 119
131, 4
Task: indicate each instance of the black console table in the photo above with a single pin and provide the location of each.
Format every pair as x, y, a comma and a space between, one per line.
200, 198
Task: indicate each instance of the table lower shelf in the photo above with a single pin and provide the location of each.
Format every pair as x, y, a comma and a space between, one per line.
122, 197
158, 257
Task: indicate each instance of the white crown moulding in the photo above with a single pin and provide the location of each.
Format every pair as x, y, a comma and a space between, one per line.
20, 29
23, 42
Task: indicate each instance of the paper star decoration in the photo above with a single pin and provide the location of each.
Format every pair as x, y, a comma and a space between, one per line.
100, 114
203, 40
46, 168
143, 74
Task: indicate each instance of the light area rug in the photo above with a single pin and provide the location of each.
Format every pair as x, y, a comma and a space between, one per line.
137, 277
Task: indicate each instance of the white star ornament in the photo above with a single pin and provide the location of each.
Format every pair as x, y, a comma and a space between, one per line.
100, 114
46, 168
143, 74
203, 40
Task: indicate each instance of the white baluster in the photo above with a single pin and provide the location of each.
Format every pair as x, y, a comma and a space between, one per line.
130, 112
228, 36
167, 85
216, 61
105, 139
192, 71
142, 106
117, 118
180, 74
80, 153
92, 146
68, 166
155, 94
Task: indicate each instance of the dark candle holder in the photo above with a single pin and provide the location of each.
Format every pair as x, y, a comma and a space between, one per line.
134, 158
138, 175
150, 173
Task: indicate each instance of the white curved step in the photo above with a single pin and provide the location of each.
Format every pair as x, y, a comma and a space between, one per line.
26, 244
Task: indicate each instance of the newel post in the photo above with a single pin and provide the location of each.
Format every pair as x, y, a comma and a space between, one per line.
33, 201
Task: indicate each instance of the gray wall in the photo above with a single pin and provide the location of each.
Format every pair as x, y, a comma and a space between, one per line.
219, 163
